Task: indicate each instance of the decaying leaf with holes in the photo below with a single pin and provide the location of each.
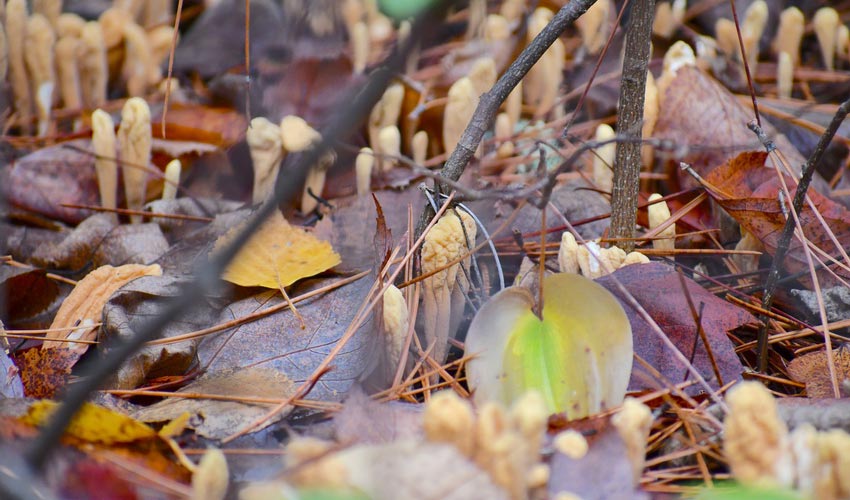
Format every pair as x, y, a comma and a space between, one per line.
277, 255
578, 355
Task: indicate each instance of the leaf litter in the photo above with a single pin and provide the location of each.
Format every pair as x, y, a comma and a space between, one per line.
242, 343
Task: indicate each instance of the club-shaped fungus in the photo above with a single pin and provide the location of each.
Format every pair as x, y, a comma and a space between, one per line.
504, 129
69, 24
544, 79
16, 29
755, 438
210, 478
419, 147
389, 146
94, 74
603, 158
651, 110
483, 75
134, 138
444, 243
790, 33
594, 26
38, 55
359, 40
784, 75
67, 71
106, 168
266, 149
571, 443
826, 22
450, 419
137, 60
385, 113
568, 254
659, 213
459, 110
752, 27
363, 165
633, 423
171, 180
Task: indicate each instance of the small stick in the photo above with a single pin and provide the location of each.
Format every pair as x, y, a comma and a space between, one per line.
788, 230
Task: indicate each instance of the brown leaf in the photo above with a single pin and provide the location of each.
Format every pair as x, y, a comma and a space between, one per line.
222, 127
44, 371
749, 192
697, 111
25, 293
216, 419
657, 288
45, 179
813, 370
85, 303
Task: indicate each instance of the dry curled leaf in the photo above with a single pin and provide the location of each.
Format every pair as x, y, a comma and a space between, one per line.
86, 302
277, 255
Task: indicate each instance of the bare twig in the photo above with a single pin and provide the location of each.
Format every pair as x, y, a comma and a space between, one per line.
488, 105
788, 230
624, 195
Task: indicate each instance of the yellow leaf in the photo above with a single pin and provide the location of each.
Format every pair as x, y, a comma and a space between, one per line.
277, 255
93, 424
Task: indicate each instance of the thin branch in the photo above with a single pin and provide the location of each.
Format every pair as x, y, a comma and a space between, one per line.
788, 231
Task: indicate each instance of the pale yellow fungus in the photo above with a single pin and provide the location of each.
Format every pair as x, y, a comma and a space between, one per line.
396, 323
389, 146
16, 29
419, 147
67, 71
784, 75
449, 419
363, 169
571, 443
568, 254
94, 74
595, 27
659, 213
790, 33
459, 110
755, 437
171, 180
210, 478
134, 138
633, 423
104, 142
38, 56
603, 158
266, 148
826, 22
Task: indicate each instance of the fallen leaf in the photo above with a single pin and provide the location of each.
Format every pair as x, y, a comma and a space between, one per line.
25, 293
84, 306
813, 370
277, 255
278, 340
697, 111
749, 192
578, 356
658, 289
93, 424
217, 419
44, 180
137, 302
44, 371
